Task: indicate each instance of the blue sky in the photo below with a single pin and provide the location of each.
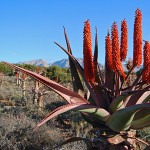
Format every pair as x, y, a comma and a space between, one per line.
28, 28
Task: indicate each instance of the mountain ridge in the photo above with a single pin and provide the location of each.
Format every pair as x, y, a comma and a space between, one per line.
36, 62
63, 63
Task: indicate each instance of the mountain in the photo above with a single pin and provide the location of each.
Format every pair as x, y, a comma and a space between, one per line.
64, 63
37, 62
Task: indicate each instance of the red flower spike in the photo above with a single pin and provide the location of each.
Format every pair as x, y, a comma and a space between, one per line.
108, 47
87, 53
116, 62
115, 48
124, 40
146, 73
137, 38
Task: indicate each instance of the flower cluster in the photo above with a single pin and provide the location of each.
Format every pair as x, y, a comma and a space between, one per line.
137, 37
108, 47
115, 48
116, 61
146, 74
87, 53
124, 40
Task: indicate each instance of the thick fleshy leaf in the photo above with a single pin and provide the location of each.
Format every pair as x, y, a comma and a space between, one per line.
144, 98
74, 139
137, 98
141, 123
122, 119
137, 80
62, 109
91, 119
128, 75
80, 69
132, 97
117, 84
77, 85
147, 99
98, 73
117, 103
142, 113
96, 48
109, 73
68, 95
99, 113
109, 77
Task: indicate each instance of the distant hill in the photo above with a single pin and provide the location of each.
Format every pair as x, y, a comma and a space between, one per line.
64, 63
37, 62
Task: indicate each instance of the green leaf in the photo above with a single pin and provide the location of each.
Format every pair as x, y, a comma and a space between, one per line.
117, 103
91, 119
122, 119
141, 123
142, 113
99, 113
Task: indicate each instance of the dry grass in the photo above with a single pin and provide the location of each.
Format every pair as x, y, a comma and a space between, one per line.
17, 122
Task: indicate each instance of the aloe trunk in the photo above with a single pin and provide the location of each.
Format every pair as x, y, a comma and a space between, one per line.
36, 89
40, 100
18, 79
1, 78
24, 88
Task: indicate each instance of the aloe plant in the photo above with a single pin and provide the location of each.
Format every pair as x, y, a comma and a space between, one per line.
1, 78
38, 91
18, 78
107, 102
23, 79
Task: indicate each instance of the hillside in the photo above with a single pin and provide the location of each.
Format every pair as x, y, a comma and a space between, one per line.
64, 63
37, 62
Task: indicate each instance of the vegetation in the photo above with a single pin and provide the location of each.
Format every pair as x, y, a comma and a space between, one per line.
115, 104
18, 120
52, 72
5, 69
